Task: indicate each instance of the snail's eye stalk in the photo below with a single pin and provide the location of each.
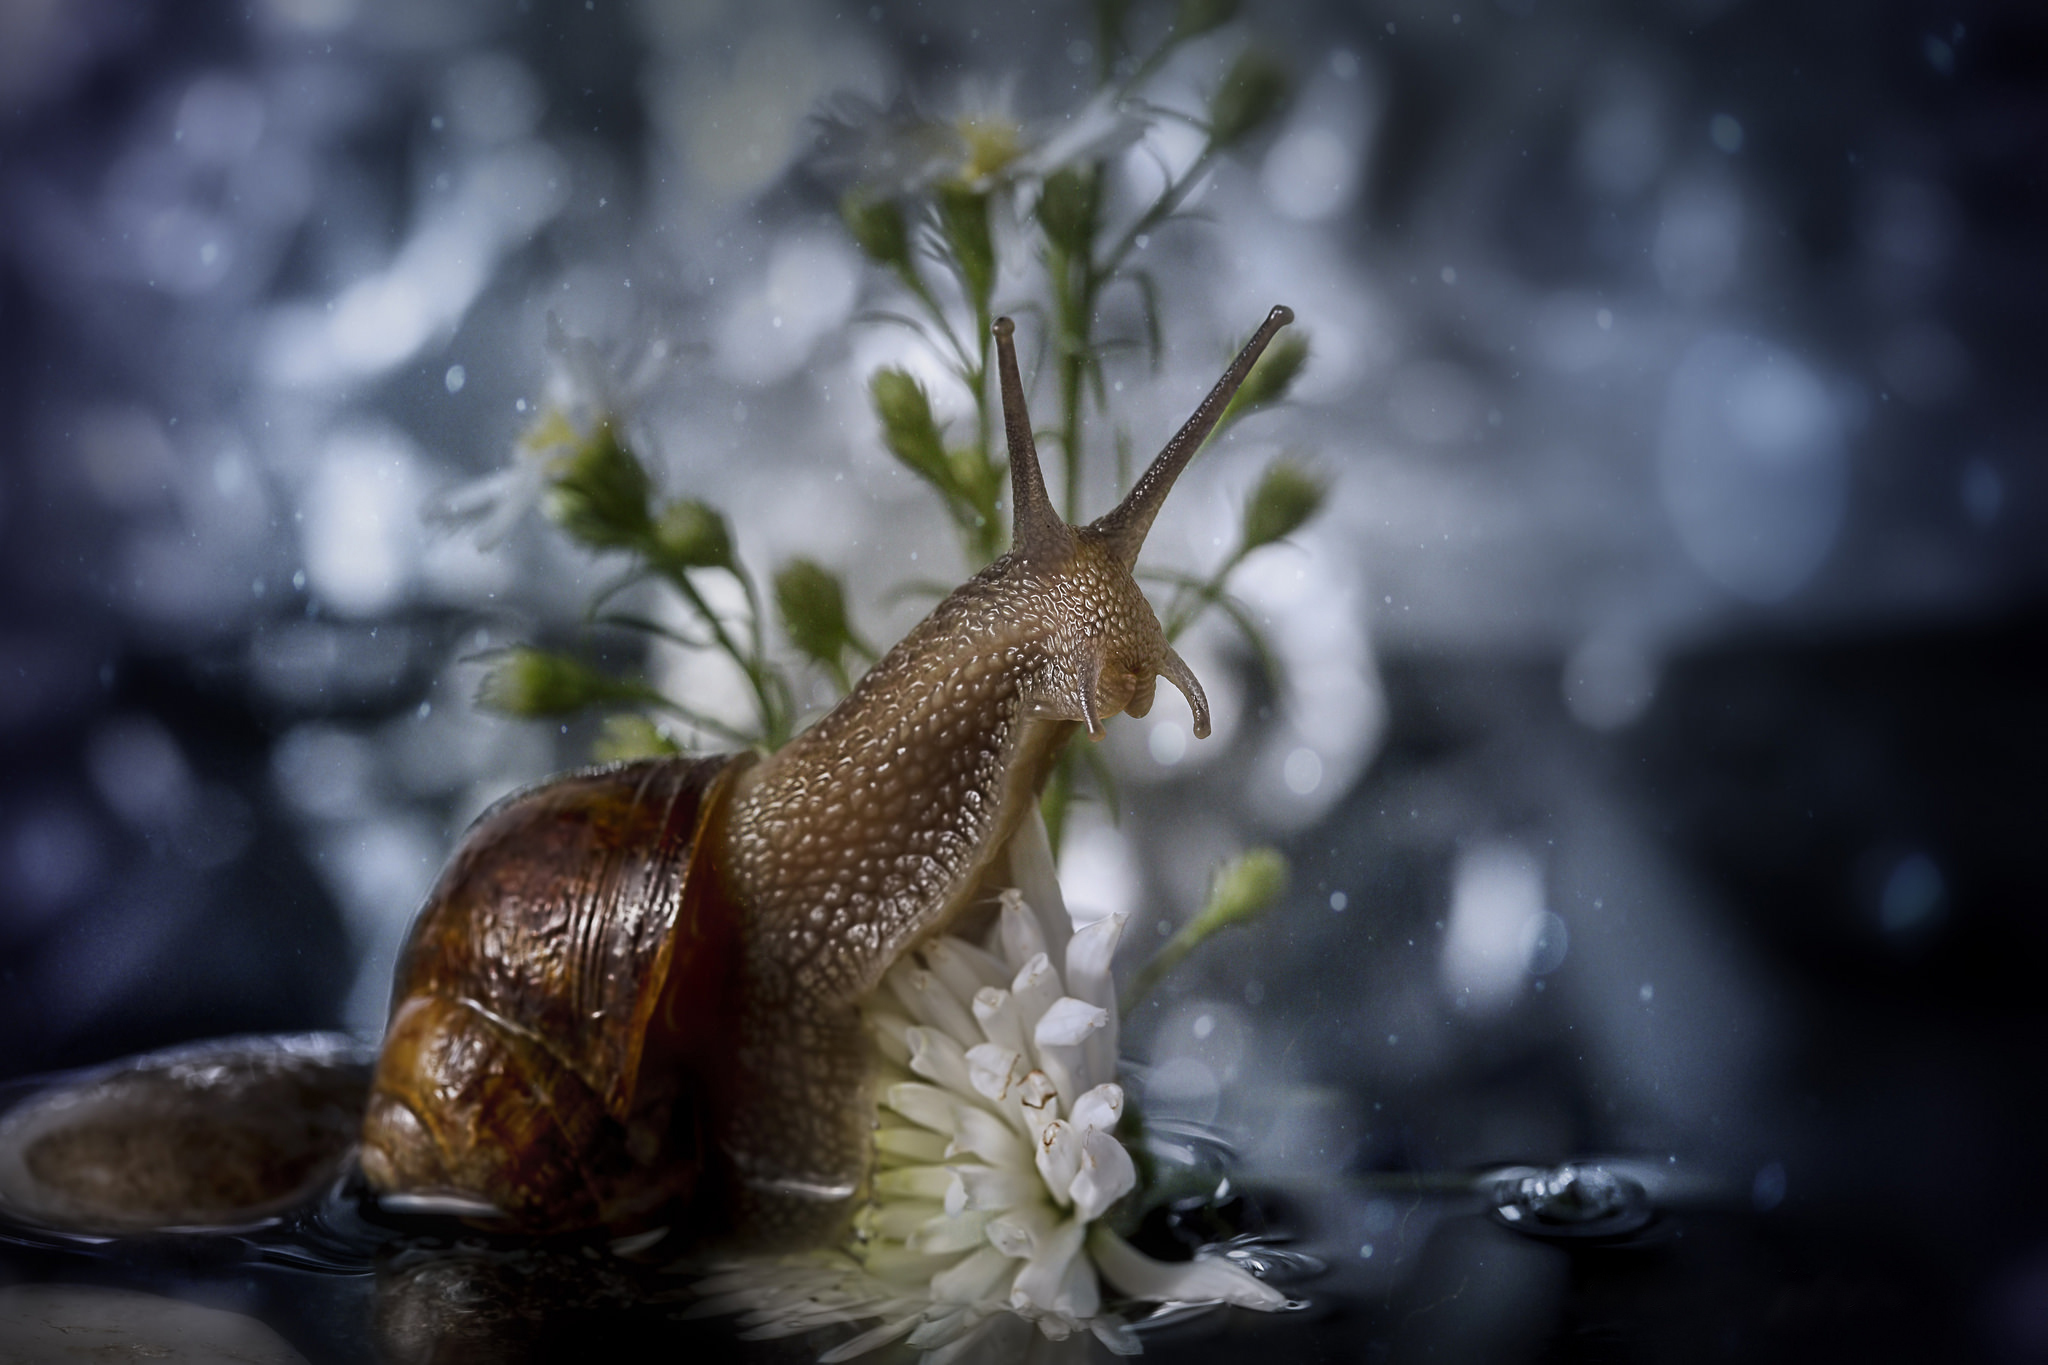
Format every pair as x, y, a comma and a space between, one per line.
1177, 672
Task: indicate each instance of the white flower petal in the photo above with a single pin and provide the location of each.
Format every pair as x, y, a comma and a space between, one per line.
915, 1182
997, 1014
1102, 1107
900, 1219
972, 1278
1107, 1174
1039, 1281
1116, 1334
1032, 868
1068, 1023
871, 1340
912, 1144
1208, 1280
1058, 1158
1080, 1295
950, 1232
1088, 957
931, 1002
982, 1134
923, 1104
889, 1027
1017, 1232
1019, 930
949, 963
994, 1070
935, 1056
1039, 1101
998, 1187
1036, 987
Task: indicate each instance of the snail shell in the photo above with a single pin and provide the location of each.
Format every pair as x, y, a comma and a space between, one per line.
549, 1047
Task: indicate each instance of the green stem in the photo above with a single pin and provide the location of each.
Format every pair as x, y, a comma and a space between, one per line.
756, 677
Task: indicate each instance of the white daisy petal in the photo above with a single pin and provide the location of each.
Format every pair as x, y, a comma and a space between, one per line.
1102, 1107
923, 1104
994, 1070
1058, 1158
1039, 1281
871, 1340
982, 1134
1068, 1022
915, 1182
992, 1169
996, 1012
972, 1278
1033, 992
1022, 938
950, 1232
997, 1187
938, 1058
912, 1144
1206, 1280
948, 962
1106, 1175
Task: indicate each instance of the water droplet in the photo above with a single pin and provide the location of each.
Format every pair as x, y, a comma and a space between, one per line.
1572, 1200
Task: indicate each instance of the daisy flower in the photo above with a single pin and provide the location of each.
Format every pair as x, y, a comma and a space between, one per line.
584, 391
997, 1153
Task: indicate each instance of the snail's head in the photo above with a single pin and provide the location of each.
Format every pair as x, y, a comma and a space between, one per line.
1107, 649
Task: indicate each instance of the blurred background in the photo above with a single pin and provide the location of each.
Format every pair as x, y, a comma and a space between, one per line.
1659, 750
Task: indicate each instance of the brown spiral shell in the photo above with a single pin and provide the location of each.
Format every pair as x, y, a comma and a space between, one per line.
553, 1043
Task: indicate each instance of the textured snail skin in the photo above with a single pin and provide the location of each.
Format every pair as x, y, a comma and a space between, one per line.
634, 994
878, 825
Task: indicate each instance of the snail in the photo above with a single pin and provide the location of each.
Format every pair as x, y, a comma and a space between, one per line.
632, 999
635, 990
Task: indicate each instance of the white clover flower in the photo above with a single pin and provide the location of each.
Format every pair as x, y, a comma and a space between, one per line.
996, 1155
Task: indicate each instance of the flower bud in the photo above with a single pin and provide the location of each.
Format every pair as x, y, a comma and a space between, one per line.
878, 226
1271, 379
1255, 90
531, 683
907, 425
812, 605
1066, 209
1287, 496
628, 735
598, 492
963, 223
691, 535
1244, 888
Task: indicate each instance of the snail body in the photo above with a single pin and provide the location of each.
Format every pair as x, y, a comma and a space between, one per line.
633, 996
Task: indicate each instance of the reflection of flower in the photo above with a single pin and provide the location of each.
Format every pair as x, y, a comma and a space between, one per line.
996, 1155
